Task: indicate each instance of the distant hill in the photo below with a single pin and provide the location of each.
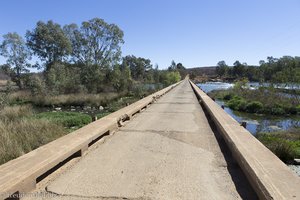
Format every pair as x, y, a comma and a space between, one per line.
202, 71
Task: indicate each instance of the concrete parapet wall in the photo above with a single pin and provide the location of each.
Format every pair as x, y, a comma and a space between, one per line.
268, 175
21, 174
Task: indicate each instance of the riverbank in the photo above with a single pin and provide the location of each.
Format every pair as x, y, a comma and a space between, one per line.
28, 122
261, 101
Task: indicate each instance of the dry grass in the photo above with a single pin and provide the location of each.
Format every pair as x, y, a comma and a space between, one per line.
75, 99
21, 133
82, 99
13, 113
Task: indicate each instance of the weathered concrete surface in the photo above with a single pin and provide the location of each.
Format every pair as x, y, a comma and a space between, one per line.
21, 174
270, 177
167, 152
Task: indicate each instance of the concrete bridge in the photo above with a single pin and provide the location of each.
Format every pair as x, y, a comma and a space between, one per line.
165, 146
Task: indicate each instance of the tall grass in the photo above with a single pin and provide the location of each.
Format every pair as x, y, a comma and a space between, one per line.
69, 120
21, 133
14, 113
80, 99
284, 144
22, 97
75, 99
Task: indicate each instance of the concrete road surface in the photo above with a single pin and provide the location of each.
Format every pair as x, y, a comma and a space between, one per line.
169, 151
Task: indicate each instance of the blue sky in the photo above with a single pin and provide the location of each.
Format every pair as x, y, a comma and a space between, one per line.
194, 32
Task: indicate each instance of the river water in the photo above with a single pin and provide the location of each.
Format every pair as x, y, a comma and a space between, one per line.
255, 122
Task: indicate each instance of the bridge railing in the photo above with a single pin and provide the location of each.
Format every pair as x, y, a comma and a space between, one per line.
21, 174
268, 175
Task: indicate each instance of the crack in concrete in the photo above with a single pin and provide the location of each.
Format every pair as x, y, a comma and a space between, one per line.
168, 134
95, 197
156, 131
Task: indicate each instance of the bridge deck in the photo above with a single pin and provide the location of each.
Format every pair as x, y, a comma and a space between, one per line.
169, 151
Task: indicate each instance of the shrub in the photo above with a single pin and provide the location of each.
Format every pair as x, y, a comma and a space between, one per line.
271, 102
298, 108
292, 110
237, 103
37, 86
254, 106
139, 90
277, 109
228, 96
285, 150
67, 119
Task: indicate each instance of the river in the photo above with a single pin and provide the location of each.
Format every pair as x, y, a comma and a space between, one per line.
255, 122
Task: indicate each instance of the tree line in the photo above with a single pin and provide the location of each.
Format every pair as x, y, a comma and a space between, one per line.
275, 70
78, 58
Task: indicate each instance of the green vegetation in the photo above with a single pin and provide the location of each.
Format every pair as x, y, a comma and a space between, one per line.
284, 144
79, 59
23, 130
70, 120
284, 70
265, 100
102, 114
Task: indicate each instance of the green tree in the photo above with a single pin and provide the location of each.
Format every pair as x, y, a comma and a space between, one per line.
172, 66
181, 69
120, 78
252, 73
156, 74
222, 68
238, 69
169, 77
179, 66
139, 67
63, 78
116, 78
173, 77
14, 49
241, 84
93, 78
96, 48
126, 79
48, 42
95, 42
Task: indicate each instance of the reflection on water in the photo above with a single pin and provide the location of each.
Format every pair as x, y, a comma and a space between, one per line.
255, 122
